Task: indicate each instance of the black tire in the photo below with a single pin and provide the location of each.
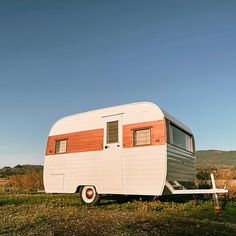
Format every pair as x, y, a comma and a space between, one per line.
89, 196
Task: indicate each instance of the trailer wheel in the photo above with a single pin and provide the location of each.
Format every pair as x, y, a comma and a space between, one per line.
89, 196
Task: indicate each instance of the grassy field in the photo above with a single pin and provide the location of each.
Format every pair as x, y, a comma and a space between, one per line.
22, 213
47, 214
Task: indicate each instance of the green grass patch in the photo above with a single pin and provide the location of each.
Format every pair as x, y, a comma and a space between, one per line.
53, 199
6, 229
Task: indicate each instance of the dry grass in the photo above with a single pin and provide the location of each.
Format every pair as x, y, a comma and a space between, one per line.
31, 181
3, 184
223, 176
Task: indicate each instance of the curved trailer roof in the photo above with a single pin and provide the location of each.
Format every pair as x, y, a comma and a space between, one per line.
60, 126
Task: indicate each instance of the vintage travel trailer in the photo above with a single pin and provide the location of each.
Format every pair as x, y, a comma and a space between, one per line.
133, 149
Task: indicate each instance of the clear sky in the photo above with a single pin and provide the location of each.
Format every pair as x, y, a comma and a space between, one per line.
63, 57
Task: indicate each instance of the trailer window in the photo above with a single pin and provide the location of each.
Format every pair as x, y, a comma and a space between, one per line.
142, 137
61, 146
112, 132
180, 138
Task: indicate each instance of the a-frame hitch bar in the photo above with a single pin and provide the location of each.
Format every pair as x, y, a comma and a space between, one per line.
214, 191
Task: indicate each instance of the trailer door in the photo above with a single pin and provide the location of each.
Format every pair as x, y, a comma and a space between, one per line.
112, 164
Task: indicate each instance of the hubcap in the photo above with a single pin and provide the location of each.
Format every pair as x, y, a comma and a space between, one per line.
89, 193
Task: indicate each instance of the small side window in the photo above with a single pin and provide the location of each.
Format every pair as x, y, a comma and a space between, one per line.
142, 137
112, 132
61, 146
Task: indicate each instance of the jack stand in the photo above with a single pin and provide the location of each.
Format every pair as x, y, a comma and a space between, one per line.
216, 203
215, 196
154, 198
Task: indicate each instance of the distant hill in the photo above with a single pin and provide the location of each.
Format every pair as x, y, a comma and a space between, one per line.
216, 158
18, 169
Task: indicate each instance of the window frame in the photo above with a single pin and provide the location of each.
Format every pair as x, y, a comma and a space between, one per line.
138, 129
60, 140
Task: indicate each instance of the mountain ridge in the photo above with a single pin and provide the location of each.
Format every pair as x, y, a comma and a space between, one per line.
218, 158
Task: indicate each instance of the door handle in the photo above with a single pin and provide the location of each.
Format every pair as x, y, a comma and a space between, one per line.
106, 147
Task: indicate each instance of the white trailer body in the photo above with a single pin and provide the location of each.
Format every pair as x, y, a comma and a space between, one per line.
133, 149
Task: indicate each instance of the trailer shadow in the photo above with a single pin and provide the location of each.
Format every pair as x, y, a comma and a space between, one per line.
120, 199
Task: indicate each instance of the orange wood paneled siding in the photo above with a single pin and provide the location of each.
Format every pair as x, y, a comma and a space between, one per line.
82, 141
92, 140
158, 133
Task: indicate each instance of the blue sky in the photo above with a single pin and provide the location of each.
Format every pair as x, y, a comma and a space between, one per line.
63, 57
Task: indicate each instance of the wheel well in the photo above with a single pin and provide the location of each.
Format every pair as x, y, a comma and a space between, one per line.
78, 188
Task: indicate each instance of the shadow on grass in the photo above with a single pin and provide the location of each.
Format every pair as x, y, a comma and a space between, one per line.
119, 199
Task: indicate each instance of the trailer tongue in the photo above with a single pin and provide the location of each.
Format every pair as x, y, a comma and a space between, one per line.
214, 191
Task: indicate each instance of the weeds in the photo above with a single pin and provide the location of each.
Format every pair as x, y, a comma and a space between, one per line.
31, 181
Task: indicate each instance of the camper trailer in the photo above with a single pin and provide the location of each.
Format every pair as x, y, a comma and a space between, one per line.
133, 149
